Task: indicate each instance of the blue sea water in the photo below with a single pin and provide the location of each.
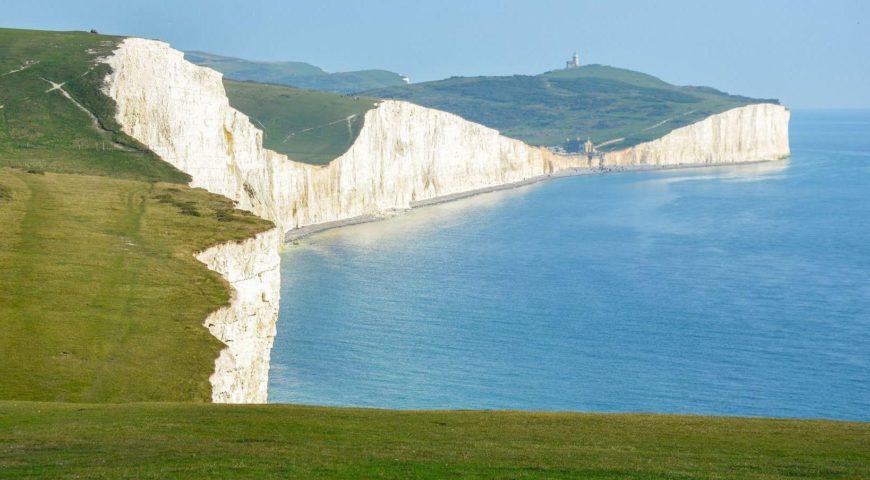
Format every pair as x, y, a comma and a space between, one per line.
730, 290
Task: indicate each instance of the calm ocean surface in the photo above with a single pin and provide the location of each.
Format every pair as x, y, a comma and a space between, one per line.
730, 290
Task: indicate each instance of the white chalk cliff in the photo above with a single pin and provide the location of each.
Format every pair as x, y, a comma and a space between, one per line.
751, 133
247, 325
403, 154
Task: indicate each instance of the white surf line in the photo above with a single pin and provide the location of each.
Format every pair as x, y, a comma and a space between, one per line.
26, 65
346, 119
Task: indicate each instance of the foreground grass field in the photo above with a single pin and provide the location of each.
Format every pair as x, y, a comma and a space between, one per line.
101, 298
307, 126
143, 441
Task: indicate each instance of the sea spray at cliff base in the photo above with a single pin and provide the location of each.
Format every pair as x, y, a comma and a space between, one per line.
404, 154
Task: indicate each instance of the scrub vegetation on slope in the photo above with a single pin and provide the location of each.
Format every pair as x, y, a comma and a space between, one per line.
559, 107
101, 298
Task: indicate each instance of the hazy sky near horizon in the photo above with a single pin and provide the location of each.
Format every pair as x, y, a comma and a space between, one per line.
809, 54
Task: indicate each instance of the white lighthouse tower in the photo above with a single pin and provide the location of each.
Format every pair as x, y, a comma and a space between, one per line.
574, 62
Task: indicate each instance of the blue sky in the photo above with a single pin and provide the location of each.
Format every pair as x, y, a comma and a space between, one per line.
810, 54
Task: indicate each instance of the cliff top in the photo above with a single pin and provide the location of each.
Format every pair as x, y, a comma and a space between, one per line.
306, 125
56, 118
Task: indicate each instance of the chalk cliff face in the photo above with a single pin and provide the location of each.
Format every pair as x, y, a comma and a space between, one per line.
404, 154
745, 134
247, 324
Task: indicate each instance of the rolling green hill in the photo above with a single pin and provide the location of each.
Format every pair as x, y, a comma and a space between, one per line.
306, 125
558, 107
296, 74
101, 298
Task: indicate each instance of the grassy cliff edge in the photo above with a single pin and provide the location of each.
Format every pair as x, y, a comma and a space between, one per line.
101, 298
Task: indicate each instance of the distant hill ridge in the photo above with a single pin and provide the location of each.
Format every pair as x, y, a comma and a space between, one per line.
613, 106
296, 74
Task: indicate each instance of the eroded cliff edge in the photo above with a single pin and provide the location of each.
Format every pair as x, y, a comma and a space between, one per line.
404, 154
247, 325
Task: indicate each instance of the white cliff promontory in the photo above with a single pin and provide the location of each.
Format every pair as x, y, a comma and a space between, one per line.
247, 325
751, 133
403, 154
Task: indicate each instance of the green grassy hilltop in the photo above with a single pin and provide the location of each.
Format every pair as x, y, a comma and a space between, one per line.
296, 74
601, 102
306, 125
100, 296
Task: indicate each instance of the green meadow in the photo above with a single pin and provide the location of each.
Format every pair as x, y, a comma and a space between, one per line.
144, 441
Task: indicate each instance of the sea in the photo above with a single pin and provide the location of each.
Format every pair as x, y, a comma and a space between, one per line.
736, 290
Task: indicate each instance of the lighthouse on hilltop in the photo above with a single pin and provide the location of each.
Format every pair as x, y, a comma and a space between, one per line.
574, 62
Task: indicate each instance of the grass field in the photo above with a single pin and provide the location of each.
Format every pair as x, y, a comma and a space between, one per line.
296, 74
306, 125
557, 108
100, 296
146, 441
